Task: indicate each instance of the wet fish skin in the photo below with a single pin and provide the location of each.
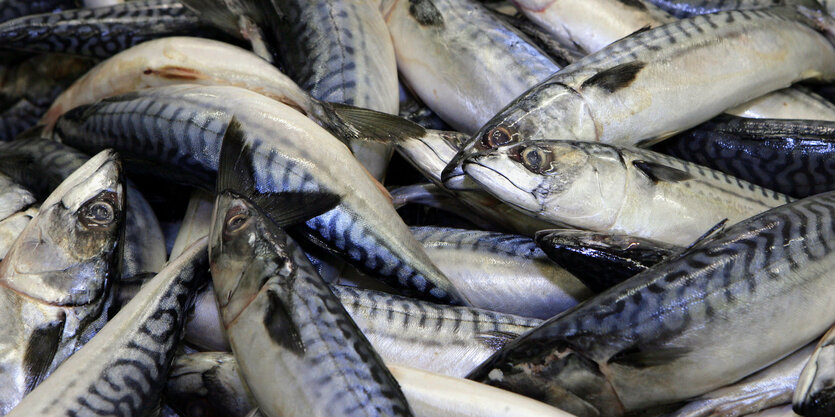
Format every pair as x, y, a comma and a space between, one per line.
654, 328
644, 194
502, 272
813, 396
13, 197
277, 311
40, 79
340, 51
688, 8
462, 60
364, 229
602, 260
121, 371
41, 165
56, 278
16, 119
207, 384
788, 156
767, 388
11, 227
106, 30
605, 97
10, 9
795, 102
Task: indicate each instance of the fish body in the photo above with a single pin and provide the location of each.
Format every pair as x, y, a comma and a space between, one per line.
788, 156
502, 272
207, 384
606, 188
11, 227
771, 387
121, 371
340, 51
100, 32
688, 8
658, 82
41, 165
813, 396
289, 154
56, 278
13, 197
729, 306
602, 260
462, 60
789, 103
10, 9
281, 318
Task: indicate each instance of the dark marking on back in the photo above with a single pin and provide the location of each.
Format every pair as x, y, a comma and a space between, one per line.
643, 29
280, 326
425, 12
637, 4
658, 172
615, 78
648, 356
41, 350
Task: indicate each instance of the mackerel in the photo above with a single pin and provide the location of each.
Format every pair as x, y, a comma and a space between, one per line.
815, 390
42, 164
20, 116
56, 278
789, 156
13, 197
501, 272
688, 8
634, 91
789, 103
103, 31
431, 395
606, 188
744, 299
181, 127
771, 387
10, 9
11, 228
281, 318
341, 51
121, 371
437, 338
602, 260
207, 384
462, 60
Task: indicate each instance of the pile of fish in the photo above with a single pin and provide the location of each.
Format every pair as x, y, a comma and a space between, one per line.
430, 208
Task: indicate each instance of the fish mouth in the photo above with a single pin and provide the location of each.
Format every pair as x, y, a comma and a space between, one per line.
453, 176
500, 186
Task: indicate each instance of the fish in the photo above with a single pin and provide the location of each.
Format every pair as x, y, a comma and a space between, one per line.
633, 92
280, 316
502, 272
431, 395
443, 339
788, 156
606, 188
17, 118
462, 60
770, 387
41, 78
795, 102
14, 197
55, 281
592, 25
103, 31
340, 51
207, 384
688, 8
364, 229
814, 392
744, 298
602, 260
123, 368
250, 20
196, 221
41, 165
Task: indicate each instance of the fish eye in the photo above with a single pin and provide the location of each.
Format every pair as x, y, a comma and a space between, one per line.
496, 137
235, 221
536, 159
98, 213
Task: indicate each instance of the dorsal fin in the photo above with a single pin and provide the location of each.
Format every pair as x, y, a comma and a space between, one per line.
657, 172
615, 78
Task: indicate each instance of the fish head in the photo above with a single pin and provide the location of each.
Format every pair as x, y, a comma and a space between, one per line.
576, 183
203, 385
245, 249
68, 253
549, 110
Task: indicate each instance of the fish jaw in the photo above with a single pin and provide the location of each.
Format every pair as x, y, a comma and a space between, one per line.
528, 118
517, 190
